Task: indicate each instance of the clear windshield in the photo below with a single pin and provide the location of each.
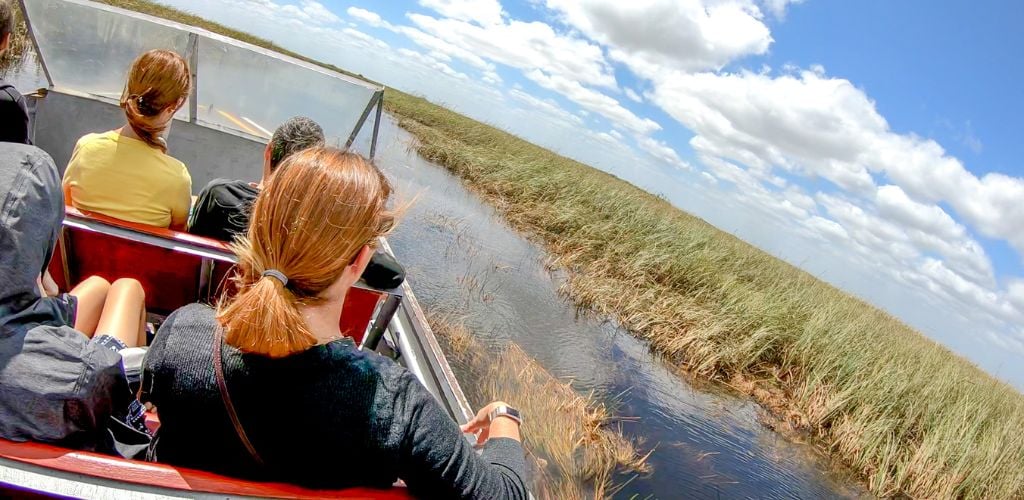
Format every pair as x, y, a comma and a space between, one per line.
88, 48
255, 92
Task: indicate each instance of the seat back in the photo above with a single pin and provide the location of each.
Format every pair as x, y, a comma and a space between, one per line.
174, 268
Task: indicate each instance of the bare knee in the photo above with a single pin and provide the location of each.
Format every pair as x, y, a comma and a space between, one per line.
128, 286
96, 281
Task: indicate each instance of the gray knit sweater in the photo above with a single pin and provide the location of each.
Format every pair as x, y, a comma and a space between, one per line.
331, 416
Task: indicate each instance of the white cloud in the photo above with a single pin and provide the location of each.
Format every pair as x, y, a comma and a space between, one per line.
595, 101
318, 13
308, 12
687, 35
483, 12
527, 46
710, 179
969, 293
778, 7
365, 40
1015, 293
632, 95
827, 229
931, 228
368, 17
800, 123
662, 152
964, 278
491, 77
895, 204
810, 124
430, 62
546, 106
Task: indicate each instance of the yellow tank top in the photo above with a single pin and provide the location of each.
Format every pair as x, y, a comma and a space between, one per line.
125, 178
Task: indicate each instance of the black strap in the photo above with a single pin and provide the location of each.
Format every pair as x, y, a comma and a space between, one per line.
218, 369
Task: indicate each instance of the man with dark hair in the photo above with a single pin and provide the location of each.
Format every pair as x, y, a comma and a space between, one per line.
13, 111
222, 209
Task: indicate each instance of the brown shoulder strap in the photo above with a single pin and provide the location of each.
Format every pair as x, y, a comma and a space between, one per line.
218, 369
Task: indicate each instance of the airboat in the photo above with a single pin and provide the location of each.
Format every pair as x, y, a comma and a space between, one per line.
240, 93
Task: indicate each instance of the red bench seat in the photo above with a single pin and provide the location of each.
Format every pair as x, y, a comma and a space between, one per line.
174, 268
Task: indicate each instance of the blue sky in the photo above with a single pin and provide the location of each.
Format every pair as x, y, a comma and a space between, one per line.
874, 144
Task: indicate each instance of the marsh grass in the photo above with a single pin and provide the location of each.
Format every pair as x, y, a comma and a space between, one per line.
20, 46
575, 449
907, 414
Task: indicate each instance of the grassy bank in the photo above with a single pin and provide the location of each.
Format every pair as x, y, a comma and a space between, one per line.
909, 415
574, 450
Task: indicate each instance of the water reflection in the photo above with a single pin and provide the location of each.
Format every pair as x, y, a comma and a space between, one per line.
463, 257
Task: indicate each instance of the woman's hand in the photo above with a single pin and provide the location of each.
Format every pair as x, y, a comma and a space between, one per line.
502, 427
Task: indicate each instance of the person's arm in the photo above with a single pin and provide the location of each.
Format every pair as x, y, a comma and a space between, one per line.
436, 460
15, 112
67, 194
198, 219
179, 222
181, 204
23, 131
501, 427
70, 173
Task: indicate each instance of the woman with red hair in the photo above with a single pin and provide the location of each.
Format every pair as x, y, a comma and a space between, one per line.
127, 173
265, 386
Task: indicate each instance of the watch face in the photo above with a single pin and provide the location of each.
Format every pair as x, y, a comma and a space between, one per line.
507, 411
512, 412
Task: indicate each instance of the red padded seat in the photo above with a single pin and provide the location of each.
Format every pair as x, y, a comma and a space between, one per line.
174, 268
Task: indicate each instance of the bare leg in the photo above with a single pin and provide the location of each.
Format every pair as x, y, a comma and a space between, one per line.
90, 294
142, 325
124, 312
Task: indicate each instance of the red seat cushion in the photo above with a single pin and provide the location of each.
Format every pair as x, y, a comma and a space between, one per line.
171, 269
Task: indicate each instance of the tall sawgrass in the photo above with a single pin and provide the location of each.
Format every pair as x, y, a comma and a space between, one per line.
908, 414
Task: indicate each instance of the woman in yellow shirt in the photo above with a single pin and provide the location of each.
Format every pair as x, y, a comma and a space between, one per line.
127, 173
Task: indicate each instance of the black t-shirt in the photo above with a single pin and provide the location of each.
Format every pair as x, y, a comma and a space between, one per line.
222, 209
13, 115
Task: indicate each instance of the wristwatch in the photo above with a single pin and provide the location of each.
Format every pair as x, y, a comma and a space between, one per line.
506, 411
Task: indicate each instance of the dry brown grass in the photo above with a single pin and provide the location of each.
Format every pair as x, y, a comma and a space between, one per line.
570, 437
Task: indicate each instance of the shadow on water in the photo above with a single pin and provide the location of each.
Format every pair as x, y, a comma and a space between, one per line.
461, 256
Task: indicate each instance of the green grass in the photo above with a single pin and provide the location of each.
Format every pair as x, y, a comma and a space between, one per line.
906, 413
